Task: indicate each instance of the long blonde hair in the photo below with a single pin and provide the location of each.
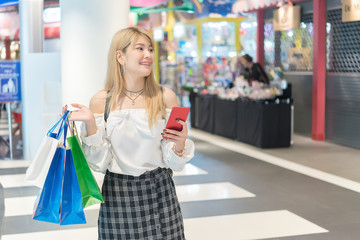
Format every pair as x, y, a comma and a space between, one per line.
115, 81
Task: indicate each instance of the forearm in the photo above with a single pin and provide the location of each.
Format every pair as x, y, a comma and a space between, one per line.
91, 127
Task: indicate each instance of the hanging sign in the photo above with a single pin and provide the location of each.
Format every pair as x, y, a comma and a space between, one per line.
10, 81
350, 10
286, 17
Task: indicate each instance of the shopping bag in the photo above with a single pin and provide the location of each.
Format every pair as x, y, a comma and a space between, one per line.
39, 167
90, 191
47, 205
71, 201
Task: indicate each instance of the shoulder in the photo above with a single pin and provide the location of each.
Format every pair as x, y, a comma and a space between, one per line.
97, 102
170, 98
258, 65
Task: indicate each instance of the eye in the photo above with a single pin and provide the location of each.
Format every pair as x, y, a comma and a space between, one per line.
140, 48
151, 50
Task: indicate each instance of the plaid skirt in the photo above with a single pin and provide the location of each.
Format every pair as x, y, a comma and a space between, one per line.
143, 207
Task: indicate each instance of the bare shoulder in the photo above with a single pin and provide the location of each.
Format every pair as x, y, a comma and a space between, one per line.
170, 98
97, 102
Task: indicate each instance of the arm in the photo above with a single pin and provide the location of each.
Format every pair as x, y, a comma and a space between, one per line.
93, 134
262, 76
177, 150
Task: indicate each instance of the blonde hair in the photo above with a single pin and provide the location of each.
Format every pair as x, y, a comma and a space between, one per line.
115, 81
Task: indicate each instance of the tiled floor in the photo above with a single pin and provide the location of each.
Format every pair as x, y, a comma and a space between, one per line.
245, 193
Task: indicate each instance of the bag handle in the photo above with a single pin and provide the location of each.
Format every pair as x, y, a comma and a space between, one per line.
62, 122
73, 129
65, 132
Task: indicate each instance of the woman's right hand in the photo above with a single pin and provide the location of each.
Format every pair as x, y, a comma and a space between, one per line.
83, 114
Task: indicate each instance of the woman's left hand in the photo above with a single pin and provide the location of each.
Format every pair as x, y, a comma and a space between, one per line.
177, 137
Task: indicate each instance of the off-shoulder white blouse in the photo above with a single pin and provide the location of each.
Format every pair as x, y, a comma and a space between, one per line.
125, 144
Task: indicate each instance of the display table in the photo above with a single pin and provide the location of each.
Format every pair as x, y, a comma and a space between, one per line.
206, 112
265, 123
225, 118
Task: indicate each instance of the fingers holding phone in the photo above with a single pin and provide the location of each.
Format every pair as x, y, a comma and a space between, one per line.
177, 137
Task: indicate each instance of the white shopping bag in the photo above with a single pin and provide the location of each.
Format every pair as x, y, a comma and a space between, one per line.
39, 167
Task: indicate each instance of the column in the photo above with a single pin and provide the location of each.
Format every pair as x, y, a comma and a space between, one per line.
319, 70
34, 70
87, 27
260, 37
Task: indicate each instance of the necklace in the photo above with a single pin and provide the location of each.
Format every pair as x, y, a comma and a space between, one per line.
133, 99
134, 91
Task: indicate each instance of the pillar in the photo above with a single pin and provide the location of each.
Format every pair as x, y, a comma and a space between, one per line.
319, 70
260, 37
87, 27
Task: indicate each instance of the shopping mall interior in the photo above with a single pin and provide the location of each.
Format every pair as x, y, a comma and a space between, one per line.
276, 147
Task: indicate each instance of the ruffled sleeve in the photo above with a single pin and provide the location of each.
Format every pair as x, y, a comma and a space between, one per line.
96, 146
172, 160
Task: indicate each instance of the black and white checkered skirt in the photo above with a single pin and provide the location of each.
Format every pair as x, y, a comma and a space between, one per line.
144, 207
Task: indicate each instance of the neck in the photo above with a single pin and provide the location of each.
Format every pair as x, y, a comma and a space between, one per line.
134, 84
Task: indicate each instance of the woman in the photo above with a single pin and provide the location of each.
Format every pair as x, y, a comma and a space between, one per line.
125, 140
253, 71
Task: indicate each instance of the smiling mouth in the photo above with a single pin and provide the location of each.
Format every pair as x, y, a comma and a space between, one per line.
145, 64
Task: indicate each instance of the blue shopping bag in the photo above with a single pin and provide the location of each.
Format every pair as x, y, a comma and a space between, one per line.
47, 206
72, 211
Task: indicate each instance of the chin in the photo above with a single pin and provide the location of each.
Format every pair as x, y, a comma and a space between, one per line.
145, 73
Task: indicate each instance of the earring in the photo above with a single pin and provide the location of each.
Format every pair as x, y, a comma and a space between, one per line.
123, 69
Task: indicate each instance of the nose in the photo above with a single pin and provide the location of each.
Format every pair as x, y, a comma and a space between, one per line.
148, 53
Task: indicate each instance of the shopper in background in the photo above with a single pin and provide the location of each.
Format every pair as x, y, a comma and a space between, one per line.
16, 112
253, 71
140, 200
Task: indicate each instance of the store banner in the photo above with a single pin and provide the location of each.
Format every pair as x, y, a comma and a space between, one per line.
350, 10
286, 17
219, 7
10, 81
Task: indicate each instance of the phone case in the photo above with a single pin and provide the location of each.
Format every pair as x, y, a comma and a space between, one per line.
177, 113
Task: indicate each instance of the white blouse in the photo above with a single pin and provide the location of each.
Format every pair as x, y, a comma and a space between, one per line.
125, 144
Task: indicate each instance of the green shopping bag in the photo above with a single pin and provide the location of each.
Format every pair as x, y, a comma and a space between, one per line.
90, 191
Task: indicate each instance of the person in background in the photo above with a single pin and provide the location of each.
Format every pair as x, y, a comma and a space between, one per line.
16, 112
253, 71
122, 135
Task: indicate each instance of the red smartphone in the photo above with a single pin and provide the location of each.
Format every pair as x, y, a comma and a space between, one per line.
177, 113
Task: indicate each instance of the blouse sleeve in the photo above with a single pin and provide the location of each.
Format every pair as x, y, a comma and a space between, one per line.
96, 146
172, 160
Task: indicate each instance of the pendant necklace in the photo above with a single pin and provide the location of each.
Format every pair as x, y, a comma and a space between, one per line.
133, 99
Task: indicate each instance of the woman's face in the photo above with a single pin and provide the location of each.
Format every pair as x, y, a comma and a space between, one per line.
243, 61
139, 58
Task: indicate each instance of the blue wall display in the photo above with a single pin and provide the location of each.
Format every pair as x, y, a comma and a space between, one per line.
10, 82
222, 7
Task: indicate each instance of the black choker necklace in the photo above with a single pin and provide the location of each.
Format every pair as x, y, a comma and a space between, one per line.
134, 91
136, 96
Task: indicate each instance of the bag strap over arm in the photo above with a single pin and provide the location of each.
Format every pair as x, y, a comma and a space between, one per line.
106, 113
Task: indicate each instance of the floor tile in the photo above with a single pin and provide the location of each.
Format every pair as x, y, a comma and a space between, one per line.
190, 170
14, 163
14, 180
259, 225
19, 206
83, 233
210, 191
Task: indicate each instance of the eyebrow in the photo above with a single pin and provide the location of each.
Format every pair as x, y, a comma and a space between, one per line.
142, 44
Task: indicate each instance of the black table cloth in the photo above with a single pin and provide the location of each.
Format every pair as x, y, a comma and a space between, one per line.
225, 120
265, 123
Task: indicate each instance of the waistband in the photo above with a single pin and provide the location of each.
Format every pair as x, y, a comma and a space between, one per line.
156, 173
